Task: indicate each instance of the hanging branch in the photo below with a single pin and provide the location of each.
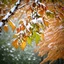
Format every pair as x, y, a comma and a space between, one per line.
4, 20
12, 11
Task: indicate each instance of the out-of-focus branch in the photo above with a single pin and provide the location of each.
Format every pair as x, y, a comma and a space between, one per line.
5, 18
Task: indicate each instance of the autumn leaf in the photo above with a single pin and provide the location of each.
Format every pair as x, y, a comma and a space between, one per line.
12, 25
22, 27
40, 12
15, 35
46, 23
5, 28
21, 21
23, 45
42, 36
18, 30
15, 43
50, 14
37, 38
29, 40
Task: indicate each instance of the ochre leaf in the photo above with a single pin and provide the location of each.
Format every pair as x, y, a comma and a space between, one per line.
46, 23
22, 27
6, 28
18, 30
15, 43
23, 45
42, 36
12, 25
40, 12
15, 35
21, 21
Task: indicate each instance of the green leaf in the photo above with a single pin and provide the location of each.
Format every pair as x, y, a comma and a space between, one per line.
37, 38
4, 1
50, 14
29, 41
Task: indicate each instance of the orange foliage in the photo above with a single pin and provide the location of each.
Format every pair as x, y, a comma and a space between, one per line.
15, 43
52, 36
23, 45
6, 28
12, 25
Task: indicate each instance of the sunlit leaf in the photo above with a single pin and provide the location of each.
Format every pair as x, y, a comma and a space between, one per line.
5, 28
29, 40
34, 34
37, 38
15, 43
23, 45
12, 25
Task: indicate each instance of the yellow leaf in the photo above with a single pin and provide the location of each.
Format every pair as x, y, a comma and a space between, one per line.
6, 28
15, 35
21, 21
15, 43
23, 45
12, 25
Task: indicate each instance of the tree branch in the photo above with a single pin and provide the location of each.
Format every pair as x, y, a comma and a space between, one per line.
4, 20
